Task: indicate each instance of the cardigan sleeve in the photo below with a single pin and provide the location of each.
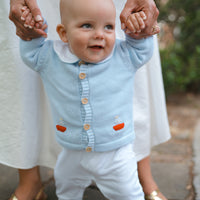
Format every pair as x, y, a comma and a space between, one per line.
34, 52
139, 51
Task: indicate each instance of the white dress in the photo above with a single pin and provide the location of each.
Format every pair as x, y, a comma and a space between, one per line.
27, 136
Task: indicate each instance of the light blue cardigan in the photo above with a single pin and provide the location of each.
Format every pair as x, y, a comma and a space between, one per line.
92, 104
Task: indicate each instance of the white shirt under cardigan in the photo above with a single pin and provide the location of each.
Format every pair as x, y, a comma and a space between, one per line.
91, 103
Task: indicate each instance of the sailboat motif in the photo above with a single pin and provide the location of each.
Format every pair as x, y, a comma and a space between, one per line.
118, 124
61, 126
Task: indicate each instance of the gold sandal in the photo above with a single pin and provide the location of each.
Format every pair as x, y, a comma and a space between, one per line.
13, 197
40, 195
153, 195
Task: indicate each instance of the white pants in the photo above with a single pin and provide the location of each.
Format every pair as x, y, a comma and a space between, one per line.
114, 172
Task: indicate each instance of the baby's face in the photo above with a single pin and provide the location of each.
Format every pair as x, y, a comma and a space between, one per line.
90, 29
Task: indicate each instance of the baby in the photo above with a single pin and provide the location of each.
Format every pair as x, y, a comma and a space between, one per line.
88, 76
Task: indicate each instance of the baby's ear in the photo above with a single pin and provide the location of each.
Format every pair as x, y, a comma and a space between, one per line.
62, 32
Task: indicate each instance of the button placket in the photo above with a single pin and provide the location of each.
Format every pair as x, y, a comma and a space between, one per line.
86, 106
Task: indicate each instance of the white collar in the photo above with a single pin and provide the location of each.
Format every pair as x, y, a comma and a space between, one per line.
62, 50
64, 53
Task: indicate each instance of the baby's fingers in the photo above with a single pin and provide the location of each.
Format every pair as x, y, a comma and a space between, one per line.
32, 23
132, 24
39, 24
140, 20
142, 15
135, 22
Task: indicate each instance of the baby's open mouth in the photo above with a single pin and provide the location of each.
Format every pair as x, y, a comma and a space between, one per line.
96, 47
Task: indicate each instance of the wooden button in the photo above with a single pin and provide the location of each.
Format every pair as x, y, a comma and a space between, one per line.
84, 101
81, 62
88, 149
82, 75
86, 127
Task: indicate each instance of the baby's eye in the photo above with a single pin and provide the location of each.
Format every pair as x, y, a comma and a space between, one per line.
86, 26
109, 27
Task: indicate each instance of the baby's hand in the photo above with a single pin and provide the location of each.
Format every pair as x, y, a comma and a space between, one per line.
135, 22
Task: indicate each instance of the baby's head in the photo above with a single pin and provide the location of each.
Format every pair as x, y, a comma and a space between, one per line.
88, 26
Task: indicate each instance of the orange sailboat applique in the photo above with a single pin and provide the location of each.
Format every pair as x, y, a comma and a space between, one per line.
61, 126
119, 125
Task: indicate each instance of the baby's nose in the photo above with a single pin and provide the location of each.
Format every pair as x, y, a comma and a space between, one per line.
99, 34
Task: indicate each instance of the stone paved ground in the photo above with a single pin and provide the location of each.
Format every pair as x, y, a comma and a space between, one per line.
172, 162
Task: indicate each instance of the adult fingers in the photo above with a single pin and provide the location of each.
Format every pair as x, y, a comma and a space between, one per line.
28, 21
152, 15
125, 14
22, 35
155, 29
28, 34
15, 16
33, 6
15, 10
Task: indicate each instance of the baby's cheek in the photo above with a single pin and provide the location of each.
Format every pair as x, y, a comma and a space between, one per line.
111, 42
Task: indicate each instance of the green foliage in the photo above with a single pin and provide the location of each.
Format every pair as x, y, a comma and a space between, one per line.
181, 61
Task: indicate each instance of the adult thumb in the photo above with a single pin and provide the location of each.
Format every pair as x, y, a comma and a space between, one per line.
127, 10
33, 6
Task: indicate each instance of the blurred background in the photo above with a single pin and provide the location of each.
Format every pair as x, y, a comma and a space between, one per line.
179, 41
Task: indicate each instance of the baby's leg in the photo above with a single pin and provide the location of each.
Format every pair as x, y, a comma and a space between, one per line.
70, 177
119, 179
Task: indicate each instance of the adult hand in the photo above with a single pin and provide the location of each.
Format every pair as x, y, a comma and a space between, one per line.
15, 14
151, 11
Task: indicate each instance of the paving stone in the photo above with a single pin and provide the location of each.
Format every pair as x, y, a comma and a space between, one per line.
172, 179
196, 159
8, 181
